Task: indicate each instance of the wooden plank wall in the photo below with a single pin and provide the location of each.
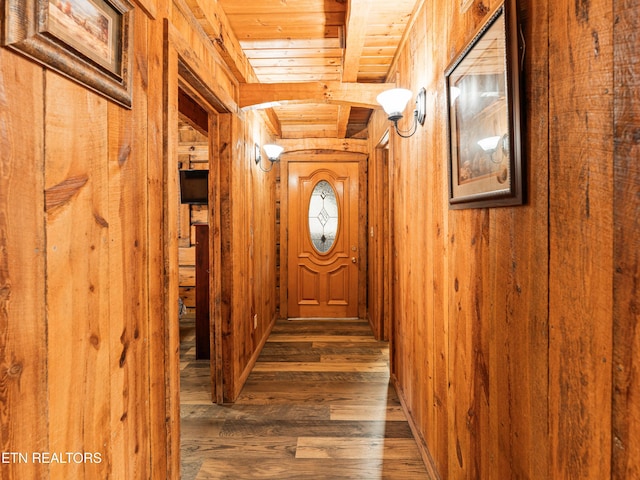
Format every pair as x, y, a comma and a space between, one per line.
581, 238
515, 328
78, 273
23, 332
76, 341
249, 251
626, 242
84, 350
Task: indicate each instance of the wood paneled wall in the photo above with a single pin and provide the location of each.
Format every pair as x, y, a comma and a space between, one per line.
248, 251
75, 306
626, 241
23, 330
515, 328
581, 231
88, 361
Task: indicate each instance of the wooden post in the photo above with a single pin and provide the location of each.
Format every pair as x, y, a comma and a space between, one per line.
203, 349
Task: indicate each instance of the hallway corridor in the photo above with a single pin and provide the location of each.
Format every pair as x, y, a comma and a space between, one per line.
317, 405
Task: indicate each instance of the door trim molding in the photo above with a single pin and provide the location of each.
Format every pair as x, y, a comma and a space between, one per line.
183, 69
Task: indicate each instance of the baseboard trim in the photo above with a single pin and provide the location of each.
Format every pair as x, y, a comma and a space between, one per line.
252, 361
420, 441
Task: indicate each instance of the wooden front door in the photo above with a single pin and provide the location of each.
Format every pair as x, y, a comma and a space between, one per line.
323, 240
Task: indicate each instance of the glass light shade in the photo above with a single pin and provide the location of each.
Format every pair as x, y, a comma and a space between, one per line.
489, 144
394, 101
273, 151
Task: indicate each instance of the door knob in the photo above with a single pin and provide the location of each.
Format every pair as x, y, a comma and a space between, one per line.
354, 260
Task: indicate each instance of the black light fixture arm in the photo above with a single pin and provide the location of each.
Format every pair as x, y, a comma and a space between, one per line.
409, 132
267, 170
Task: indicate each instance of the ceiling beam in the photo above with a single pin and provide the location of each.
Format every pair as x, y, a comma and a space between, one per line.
218, 28
344, 113
333, 144
272, 121
356, 32
255, 96
196, 116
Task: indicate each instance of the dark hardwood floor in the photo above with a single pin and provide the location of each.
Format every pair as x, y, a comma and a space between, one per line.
317, 405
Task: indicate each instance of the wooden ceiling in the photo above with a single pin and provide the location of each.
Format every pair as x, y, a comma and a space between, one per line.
322, 45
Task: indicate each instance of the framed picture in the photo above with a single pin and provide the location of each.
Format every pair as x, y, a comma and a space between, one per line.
89, 41
483, 98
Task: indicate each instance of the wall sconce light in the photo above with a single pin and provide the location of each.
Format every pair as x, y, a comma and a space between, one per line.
394, 102
490, 145
273, 153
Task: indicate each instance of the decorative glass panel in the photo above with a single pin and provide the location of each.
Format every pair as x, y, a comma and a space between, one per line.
323, 216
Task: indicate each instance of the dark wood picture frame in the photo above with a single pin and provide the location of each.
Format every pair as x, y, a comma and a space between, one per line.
484, 125
89, 41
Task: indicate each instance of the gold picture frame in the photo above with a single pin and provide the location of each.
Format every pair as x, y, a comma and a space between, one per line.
89, 41
484, 124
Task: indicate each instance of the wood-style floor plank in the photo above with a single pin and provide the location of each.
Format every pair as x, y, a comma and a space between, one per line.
357, 448
367, 367
367, 412
317, 405
267, 468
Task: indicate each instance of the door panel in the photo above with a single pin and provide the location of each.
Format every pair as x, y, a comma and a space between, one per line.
339, 286
309, 282
323, 239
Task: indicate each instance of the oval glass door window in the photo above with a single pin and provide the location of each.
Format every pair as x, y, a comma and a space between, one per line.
323, 217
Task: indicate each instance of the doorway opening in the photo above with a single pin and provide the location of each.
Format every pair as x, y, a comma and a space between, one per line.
196, 139
195, 214
379, 262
